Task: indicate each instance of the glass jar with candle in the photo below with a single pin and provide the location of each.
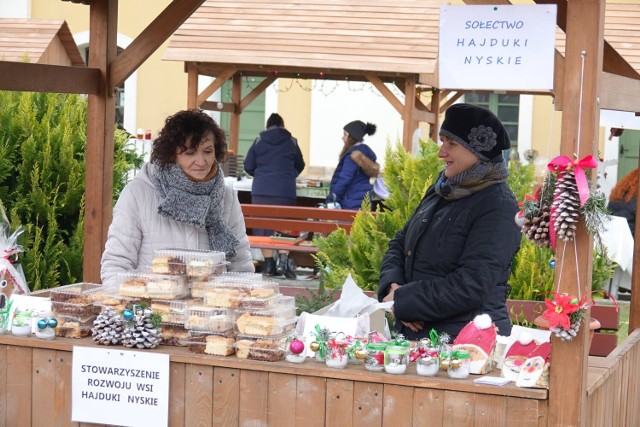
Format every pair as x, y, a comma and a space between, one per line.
459, 364
21, 323
428, 363
336, 356
375, 356
396, 358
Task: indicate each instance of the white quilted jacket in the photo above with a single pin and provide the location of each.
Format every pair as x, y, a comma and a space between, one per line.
137, 230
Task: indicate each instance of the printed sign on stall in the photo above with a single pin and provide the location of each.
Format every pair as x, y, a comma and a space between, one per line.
491, 47
126, 388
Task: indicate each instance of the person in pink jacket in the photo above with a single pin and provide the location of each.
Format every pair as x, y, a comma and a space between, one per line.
178, 200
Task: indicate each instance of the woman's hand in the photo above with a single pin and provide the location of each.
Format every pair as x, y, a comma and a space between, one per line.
414, 326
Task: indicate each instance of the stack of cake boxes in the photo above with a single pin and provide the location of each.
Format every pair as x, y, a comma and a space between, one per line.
74, 308
206, 309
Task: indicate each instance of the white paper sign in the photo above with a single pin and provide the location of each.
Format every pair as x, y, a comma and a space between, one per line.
497, 47
114, 386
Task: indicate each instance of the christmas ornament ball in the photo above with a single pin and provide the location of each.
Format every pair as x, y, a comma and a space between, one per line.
127, 314
53, 323
360, 354
296, 346
42, 323
444, 364
455, 363
314, 346
520, 219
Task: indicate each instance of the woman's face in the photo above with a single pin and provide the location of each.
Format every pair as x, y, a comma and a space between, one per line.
345, 136
456, 157
197, 162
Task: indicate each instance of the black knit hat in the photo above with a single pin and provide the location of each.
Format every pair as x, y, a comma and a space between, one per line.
478, 129
358, 129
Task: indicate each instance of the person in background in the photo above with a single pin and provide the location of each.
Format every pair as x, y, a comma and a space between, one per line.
275, 161
352, 179
178, 200
452, 259
624, 198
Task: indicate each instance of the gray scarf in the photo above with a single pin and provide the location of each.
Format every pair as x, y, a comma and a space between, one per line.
478, 177
195, 203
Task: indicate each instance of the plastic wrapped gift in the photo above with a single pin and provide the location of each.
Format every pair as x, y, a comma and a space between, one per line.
12, 278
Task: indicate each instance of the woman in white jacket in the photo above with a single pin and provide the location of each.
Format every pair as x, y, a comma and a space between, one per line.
178, 200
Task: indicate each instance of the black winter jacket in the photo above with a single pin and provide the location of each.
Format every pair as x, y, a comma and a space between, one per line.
453, 260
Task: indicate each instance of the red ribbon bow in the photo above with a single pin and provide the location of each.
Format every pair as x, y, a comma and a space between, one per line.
563, 164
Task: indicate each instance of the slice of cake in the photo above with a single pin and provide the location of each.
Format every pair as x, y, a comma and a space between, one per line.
219, 346
136, 287
168, 265
249, 324
200, 268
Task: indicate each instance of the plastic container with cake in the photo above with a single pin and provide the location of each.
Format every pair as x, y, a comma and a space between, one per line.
174, 335
173, 312
260, 348
209, 319
217, 344
132, 284
264, 323
191, 262
73, 326
241, 292
78, 292
143, 284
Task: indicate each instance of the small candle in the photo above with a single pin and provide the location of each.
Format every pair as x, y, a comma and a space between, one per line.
337, 362
295, 358
428, 366
398, 369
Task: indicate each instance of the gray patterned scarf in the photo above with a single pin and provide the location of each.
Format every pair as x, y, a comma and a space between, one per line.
478, 177
195, 203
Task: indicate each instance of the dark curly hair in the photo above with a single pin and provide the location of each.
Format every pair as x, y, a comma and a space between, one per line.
626, 189
183, 126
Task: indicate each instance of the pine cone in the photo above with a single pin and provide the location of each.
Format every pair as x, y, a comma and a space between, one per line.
536, 228
566, 202
140, 332
108, 327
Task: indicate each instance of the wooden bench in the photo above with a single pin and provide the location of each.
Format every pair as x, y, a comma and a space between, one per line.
602, 343
294, 219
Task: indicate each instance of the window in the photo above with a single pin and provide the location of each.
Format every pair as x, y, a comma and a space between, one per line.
119, 95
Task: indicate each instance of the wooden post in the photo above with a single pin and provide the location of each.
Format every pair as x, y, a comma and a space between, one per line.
585, 33
100, 134
634, 309
435, 109
410, 123
192, 85
236, 97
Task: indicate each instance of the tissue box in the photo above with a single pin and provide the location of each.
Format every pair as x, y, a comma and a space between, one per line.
377, 319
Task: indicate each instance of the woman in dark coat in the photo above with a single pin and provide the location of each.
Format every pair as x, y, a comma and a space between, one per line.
452, 259
351, 180
275, 161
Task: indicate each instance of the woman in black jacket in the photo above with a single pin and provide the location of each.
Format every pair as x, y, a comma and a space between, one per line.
452, 259
624, 198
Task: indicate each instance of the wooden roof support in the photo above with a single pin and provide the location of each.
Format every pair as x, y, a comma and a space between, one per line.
192, 85
585, 33
150, 39
435, 108
634, 312
619, 93
234, 130
386, 92
22, 76
214, 86
558, 81
410, 123
256, 92
103, 16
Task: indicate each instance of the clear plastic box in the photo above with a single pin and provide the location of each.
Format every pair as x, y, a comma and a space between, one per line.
74, 327
263, 323
72, 309
237, 291
192, 262
174, 335
79, 292
152, 285
211, 343
266, 349
209, 319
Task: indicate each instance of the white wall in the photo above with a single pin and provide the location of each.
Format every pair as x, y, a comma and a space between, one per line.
15, 8
332, 109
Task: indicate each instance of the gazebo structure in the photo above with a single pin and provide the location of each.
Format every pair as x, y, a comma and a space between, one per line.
581, 388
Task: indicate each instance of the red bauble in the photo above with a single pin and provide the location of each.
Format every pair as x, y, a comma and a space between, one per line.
296, 346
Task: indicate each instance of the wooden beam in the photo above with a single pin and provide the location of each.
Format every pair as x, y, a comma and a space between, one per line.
619, 93
150, 39
103, 22
634, 309
234, 131
435, 107
256, 92
580, 130
558, 81
410, 124
29, 77
192, 85
214, 86
386, 92
450, 100
227, 107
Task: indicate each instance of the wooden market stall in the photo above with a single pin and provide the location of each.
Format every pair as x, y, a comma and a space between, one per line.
35, 375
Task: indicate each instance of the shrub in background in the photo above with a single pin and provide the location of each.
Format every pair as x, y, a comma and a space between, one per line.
42, 180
